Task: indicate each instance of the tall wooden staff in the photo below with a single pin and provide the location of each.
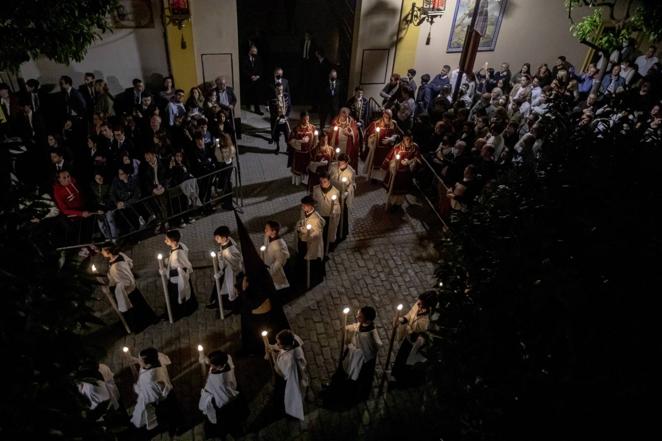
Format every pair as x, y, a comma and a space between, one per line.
217, 281
132, 362
334, 198
387, 368
343, 181
374, 152
106, 292
202, 359
164, 282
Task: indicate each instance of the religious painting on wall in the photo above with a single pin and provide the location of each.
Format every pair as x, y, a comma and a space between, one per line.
133, 14
489, 25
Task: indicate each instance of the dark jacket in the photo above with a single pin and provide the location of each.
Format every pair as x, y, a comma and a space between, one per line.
127, 192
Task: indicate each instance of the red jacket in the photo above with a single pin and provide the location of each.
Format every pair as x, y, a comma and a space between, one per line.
69, 199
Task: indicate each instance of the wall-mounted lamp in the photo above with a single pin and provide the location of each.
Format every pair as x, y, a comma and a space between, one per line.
429, 11
178, 14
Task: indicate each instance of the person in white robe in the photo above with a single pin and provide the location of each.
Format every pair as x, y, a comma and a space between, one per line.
230, 269
178, 271
220, 400
130, 301
412, 335
275, 254
327, 198
343, 177
310, 243
96, 383
292, 375
156, 406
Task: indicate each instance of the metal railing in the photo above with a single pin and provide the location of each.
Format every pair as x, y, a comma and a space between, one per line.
176, 203
434, 191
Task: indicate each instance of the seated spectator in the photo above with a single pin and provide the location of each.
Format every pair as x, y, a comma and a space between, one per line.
176, 107
611, 84
68, 198
195, 102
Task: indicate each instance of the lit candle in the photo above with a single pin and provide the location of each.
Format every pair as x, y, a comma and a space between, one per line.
334, 197
335, 128
397, 156
94, 268
399, 308
441, 284
317, 132
217, 282
337, 150
309, 227
378, 129
126, 350
132, 361
344, 179
201, 360
164, 284
343, 331
263, 248
265, 341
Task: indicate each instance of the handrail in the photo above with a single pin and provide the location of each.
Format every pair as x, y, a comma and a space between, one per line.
150, 206
443, 189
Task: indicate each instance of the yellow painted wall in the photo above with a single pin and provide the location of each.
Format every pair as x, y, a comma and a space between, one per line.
405, 52
182, 61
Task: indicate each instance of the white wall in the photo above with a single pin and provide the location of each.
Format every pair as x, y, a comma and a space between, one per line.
375, 27
216, 40
119, 57
534, 31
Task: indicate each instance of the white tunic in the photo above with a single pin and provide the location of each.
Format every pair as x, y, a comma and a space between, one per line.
362, 347
416, 324
220, 389
101, 391
230, 264
153, 386
275, 257
291, 365
178, 261
337, 174
327, 207
312, 237
121, 277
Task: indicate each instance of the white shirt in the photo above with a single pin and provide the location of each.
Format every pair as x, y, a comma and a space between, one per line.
645, 63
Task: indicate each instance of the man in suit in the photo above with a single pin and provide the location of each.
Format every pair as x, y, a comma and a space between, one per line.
279, 110
32, 95
331, 95
87, 90
307, 51
321, 70
251, 68
29, 126
130, 98
72, 101
225, 96
358, 107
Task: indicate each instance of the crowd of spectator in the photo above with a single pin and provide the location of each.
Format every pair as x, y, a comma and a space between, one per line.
91, 156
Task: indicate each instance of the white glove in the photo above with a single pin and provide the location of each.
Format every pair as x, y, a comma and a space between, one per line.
218, 275
162, 271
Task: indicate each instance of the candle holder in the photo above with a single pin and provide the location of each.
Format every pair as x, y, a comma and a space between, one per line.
106, 292
164, 284
217, 282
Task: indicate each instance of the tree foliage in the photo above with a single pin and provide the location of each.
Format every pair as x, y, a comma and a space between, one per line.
59, 30
547, 324
626, 16
42, 311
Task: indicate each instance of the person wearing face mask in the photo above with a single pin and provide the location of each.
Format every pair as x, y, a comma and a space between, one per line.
279, 79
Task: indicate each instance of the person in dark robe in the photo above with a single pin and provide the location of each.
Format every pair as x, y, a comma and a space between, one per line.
260, 307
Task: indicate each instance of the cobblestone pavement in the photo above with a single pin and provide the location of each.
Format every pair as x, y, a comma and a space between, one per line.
386, 260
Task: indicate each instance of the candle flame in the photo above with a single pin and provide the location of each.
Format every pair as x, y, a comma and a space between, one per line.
337, 149
264, 333
335, 128
334, 197
397, 156
345, 311
200, 348
263, 248
344, 179
212, 254
399, 308
309, 227
317, 132
378, 129
160, 256
94, 268
125, 350
441, 284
